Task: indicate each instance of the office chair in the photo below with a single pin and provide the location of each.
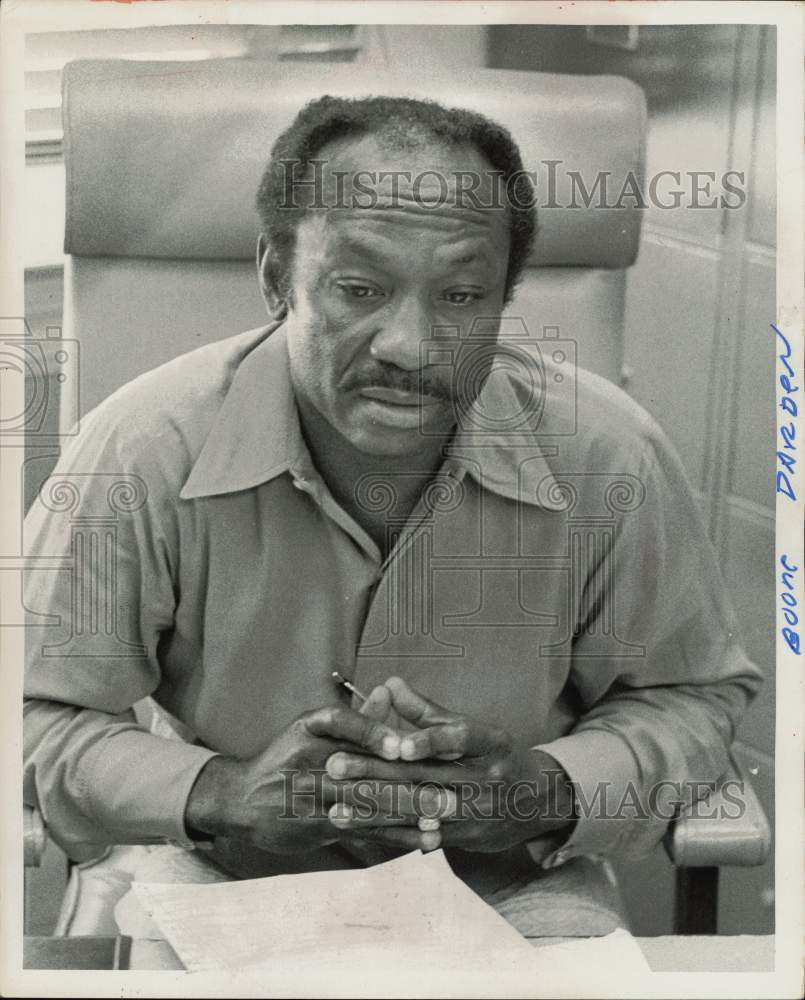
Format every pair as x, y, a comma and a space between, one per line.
163, 161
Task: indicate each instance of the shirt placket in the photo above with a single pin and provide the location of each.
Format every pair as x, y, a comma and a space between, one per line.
306, 479
403, 558
403, 578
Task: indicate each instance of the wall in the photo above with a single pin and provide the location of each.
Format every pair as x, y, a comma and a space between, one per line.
698, 347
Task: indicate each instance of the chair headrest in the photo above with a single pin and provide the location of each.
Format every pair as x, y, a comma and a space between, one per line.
164, 159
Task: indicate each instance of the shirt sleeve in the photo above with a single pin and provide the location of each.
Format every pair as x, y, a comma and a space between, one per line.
659, 668
101, 540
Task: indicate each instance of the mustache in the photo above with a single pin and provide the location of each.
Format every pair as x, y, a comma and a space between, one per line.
384, 375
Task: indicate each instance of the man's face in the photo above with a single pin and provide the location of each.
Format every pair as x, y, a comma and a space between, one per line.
370, 285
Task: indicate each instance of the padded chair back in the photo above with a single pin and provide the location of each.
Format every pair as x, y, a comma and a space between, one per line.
163, 161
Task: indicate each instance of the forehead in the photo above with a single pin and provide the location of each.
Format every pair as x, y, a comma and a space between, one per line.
417, 156
383, 192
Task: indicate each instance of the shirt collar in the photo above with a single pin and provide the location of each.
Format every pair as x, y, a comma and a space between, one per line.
256, 436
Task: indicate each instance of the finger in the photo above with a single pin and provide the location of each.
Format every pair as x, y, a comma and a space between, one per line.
341, 723
405, 838
385, 799
414, 707
460, 738
457, 737
378, 704
378, 802
348, 766
307, 796
450, 738
345, 817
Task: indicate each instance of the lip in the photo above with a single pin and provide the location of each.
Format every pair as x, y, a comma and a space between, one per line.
407, 416
399, 397
391, 416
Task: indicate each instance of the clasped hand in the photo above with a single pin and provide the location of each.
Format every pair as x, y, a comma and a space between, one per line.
499, 796
387, 775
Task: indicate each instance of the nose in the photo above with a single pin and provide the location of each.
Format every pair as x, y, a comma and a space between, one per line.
402, 331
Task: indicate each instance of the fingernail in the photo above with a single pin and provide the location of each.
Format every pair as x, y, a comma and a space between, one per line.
337, 767
340, 813
390, 747
431, 841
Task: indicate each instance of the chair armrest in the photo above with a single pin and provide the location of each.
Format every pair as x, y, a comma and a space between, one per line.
34, 836
730, 829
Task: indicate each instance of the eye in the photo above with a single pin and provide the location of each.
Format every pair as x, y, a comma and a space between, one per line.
354, 290
462, 298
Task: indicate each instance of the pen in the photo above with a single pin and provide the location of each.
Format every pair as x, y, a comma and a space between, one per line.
340, 679
349, 686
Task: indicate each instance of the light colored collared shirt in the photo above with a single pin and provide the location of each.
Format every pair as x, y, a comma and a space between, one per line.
555, 579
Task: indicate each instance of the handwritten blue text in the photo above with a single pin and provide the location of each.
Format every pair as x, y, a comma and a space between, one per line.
787, 434
790, 632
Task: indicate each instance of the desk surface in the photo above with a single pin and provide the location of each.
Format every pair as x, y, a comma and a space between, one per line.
739, 953
743, 953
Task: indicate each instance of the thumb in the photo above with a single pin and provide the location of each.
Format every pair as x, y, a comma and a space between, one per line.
378, 704
415, 707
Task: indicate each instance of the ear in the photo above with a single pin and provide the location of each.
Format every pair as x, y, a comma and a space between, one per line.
268, 275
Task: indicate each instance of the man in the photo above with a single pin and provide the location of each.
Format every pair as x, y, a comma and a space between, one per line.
363, 487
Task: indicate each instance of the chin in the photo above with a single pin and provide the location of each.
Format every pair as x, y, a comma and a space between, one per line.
388, 444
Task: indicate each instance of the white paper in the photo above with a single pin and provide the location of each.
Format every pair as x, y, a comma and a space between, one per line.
410, 921
413, 902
